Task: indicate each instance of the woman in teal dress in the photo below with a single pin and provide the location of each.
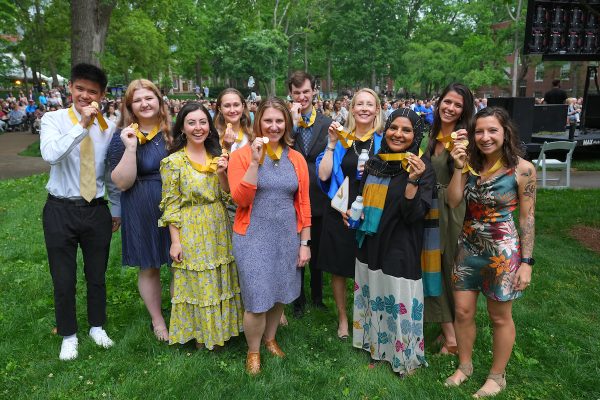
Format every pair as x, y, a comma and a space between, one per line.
493, 257
206, 303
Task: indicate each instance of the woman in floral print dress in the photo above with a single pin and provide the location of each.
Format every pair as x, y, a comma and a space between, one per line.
388, 290
206, 302
493, 257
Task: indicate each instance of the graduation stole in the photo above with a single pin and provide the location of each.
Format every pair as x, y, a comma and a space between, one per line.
140, 135
311, 121
402, 157
101, 120
274, 155
210, 167
347, 138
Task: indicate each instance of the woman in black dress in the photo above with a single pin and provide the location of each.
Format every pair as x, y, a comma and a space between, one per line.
339, 160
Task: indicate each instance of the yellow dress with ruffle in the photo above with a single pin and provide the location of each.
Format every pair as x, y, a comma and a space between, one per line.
206, 304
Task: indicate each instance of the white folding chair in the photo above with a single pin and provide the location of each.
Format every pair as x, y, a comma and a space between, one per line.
544, 162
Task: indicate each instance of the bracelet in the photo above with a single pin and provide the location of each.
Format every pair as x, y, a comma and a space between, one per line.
413, 181
455, 167
330, 148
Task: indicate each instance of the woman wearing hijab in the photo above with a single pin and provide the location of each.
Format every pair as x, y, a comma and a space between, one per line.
388, 290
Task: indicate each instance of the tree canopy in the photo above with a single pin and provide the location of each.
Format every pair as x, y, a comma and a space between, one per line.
418, 45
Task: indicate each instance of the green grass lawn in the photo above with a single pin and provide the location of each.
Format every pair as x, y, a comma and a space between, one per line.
557, 353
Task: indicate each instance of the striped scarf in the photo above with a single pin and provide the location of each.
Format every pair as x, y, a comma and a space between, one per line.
374, 194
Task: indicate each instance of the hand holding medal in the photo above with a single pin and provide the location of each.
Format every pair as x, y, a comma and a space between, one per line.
129, 137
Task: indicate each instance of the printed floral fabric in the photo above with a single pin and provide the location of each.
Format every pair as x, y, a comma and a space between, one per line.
388, 318
206, 303
489, 252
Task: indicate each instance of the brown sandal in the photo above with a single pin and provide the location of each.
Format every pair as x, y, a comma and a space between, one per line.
253, 363
466, 370
500, 380
274, 348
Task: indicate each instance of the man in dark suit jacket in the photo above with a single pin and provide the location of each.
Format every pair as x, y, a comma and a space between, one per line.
310, 129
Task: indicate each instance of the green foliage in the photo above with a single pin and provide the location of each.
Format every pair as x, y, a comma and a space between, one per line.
134, 47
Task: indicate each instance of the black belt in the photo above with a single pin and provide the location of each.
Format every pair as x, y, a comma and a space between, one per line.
78, 202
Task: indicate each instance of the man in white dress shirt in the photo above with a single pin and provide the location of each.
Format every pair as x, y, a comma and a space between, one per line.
74, 142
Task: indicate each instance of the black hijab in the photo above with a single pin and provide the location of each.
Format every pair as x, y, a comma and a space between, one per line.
378, 167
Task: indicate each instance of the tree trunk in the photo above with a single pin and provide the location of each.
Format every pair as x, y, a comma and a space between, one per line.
306, 52
515, 72
198, 70
34, 75
52, 66
329, 76
290, 54
373, 78
271, 90
89, 27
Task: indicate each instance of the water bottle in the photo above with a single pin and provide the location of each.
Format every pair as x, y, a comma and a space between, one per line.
362, 159
355, 212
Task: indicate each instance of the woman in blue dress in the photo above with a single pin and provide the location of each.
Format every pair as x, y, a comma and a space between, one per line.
493, 257
135, 154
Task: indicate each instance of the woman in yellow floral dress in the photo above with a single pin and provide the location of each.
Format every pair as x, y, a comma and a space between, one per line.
206, 303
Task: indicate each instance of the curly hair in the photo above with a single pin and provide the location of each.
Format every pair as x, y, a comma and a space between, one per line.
179, 139
511, 149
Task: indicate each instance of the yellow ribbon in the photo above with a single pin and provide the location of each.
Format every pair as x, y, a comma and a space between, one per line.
313, 116
99, 116
346, 138
210, 167
402, 157
274, 155
101, 121
140, 135
448, 141
497, 165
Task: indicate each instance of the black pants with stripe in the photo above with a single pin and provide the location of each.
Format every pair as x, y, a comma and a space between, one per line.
67, 225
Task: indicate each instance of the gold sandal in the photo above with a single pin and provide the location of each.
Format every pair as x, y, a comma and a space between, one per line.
466, 370
500, 380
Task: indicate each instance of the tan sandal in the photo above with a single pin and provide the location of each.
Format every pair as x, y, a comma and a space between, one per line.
274, 348
253, 363
499, 379
466, 370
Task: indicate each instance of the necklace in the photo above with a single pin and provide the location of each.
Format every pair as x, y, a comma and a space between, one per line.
356, 151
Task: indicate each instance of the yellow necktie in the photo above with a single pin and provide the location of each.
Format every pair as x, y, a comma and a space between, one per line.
87, 163
87, 169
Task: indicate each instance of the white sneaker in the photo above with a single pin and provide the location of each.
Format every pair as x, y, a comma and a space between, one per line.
68, 349
100, 337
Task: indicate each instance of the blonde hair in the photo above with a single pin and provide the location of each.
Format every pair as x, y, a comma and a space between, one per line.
127, 115
377, 123
278, 104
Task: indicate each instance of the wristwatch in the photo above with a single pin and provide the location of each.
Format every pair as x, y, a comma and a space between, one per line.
305, 243
528, 260
413, 181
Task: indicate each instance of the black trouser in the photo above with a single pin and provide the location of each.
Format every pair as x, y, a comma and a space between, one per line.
316, 276
67, 224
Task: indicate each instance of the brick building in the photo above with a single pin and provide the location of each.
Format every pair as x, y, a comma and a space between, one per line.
539, 77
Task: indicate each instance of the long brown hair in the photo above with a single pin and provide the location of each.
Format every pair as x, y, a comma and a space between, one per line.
245, 121
511, 148
278, 104
127, 115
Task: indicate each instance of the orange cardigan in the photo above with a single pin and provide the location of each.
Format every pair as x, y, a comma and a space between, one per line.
243, 192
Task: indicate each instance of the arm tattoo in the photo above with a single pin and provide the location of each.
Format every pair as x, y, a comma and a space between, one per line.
527, 173
528, 234
529, 190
